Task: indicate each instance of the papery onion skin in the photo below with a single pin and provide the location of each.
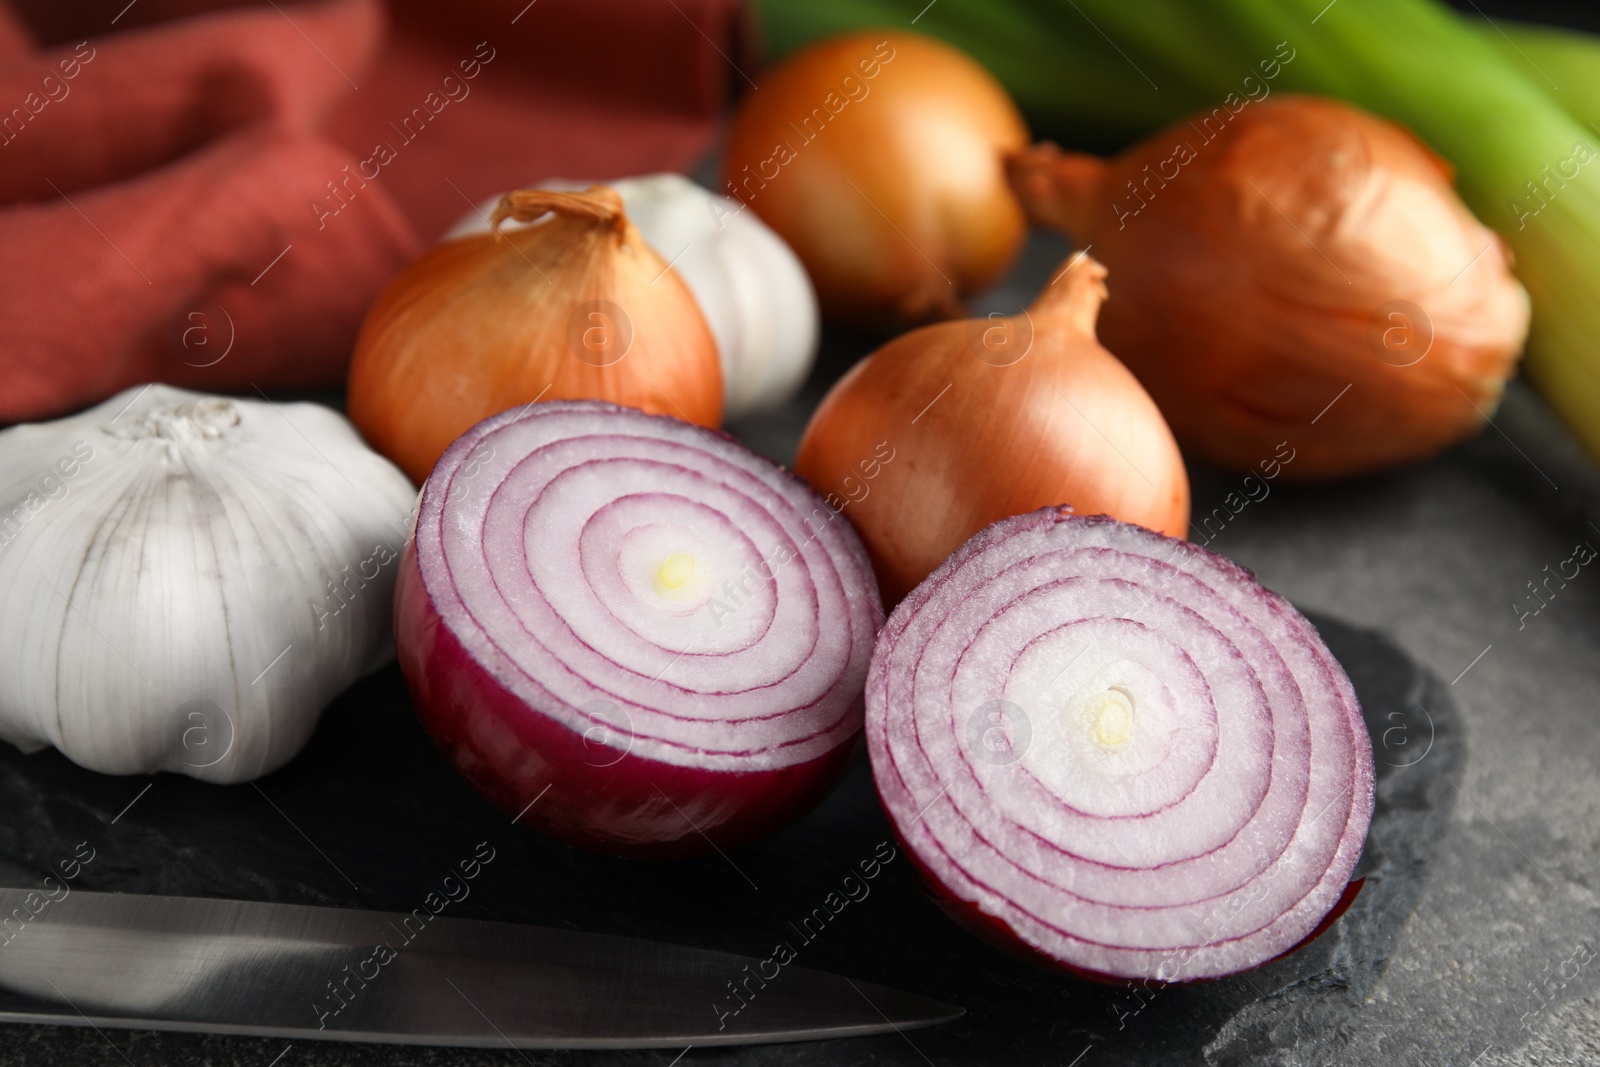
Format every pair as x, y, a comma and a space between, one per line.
752, 289
979, 923
1305, 248
576, 307
1063, 906
894, 196
980, 432
544, 772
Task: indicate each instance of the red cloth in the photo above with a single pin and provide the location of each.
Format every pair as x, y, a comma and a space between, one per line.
212, 198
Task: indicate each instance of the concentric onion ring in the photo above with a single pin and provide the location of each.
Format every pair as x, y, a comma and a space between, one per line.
668, 631
1117, 751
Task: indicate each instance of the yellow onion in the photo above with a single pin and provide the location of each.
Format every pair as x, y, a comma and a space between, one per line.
574, 307
953, 426
1294, 271
879, 158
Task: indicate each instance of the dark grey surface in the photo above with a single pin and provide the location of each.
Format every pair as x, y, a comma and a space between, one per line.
1439, 556
1425, 970
391, 818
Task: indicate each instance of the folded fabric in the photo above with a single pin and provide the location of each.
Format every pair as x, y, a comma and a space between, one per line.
212, 199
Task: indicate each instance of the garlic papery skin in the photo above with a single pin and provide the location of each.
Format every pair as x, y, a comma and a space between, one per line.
186, 581
750, 286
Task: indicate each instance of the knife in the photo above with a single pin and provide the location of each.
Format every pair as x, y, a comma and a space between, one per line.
285, 970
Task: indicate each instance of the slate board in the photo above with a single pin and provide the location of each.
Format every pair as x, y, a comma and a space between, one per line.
371, 815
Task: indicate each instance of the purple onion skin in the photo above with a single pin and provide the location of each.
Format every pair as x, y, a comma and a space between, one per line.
998, 933
512, 753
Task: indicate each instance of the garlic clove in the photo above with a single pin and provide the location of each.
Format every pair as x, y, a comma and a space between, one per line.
189, 579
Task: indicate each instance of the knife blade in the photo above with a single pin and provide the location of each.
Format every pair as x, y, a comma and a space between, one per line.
297, 971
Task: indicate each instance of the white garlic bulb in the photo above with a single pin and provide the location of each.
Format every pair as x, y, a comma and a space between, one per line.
750, 286
186, 581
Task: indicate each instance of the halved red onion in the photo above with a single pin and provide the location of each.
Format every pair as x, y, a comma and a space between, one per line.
1117, 751
664, 630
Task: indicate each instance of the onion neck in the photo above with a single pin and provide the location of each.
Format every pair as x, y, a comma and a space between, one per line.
599, 205
1073, 299
1057, 189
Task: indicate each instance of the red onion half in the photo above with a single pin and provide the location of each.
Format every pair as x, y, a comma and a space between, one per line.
1117, 751
648, 633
